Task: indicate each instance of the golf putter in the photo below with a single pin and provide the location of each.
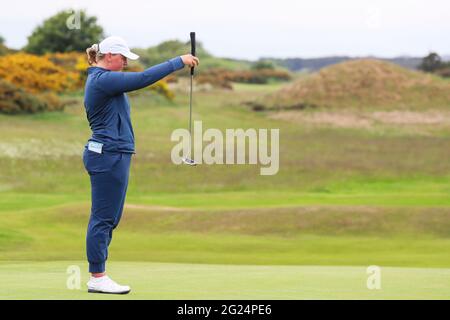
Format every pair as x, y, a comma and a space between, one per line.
186, 160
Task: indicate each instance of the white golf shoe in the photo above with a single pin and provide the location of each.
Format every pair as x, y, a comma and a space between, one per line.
106, 285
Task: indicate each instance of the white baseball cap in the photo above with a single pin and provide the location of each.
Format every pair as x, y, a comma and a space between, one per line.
116, 45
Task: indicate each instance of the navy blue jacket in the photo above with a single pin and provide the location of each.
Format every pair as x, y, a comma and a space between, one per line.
107, 105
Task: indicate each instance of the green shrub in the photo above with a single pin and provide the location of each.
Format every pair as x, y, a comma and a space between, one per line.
14, 100
444, 72
263, 64
222, 78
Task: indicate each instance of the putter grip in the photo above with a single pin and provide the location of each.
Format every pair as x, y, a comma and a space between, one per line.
192, 49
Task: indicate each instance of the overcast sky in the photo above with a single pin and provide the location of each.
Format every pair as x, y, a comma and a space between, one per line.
251, 29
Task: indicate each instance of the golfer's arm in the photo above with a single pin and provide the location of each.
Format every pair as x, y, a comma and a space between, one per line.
117, 82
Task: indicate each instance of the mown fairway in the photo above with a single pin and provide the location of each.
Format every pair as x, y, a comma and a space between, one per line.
346, 197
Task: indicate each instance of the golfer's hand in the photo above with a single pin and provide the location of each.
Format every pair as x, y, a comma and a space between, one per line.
190, 60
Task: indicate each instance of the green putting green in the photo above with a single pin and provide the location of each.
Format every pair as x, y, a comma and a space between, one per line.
48, 280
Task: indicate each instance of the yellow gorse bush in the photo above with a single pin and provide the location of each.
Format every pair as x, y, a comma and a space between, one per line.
57, 72
14, 100
74, 62
36, 73
161, 87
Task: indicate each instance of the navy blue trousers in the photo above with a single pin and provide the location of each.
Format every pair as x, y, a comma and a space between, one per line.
109, 174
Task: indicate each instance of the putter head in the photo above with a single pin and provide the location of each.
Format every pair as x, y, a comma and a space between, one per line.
189, 161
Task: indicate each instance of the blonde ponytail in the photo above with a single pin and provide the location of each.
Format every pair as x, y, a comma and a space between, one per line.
93, 54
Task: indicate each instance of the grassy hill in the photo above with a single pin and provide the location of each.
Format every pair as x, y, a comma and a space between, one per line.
361, 84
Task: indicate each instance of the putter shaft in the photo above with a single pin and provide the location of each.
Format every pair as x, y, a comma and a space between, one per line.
190, 108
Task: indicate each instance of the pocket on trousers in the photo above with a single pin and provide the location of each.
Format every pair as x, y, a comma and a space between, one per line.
100, 162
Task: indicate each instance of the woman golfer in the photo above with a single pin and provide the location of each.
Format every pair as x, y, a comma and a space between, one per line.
107, 154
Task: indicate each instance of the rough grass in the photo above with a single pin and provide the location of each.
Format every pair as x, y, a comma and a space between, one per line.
406, 123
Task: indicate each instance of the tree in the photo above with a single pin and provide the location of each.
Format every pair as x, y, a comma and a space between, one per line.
68, 30
3, 49
431, 62
263, 64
